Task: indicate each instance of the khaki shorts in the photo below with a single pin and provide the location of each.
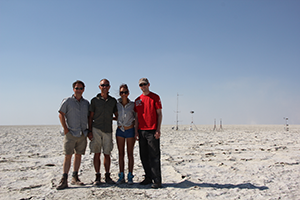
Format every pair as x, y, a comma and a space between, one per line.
100, 141
75, 145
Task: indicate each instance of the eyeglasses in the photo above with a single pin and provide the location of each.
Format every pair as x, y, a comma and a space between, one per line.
143, 84
78, 88
104, 85
123, 92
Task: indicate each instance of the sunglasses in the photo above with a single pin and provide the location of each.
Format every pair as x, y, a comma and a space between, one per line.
123, 92
143, 84
104, 85
78, 88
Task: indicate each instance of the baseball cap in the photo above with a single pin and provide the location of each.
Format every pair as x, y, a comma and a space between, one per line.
143, 80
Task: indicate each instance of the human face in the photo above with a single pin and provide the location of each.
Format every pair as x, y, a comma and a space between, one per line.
104, 86
144, 87
124, 92
78, 90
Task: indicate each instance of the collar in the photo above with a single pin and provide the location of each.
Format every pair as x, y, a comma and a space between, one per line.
100, 97
75, 98
120, 100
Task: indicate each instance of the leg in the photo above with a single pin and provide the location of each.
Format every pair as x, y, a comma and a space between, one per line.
67, 164
77, 162
80, 147
121, 147
107, 168
76, 165
143, 144
154, 154
97, 162
130, 147
69, 144
107, 163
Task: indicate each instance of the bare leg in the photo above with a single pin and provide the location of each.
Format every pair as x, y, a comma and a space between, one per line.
67, 164
121, 147
97, 162
130, 147
77, 161
107, 163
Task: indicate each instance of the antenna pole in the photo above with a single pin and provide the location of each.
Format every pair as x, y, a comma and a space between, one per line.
221, 128
215, 125
177, 113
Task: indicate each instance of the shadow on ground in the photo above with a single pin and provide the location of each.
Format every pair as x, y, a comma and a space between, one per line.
188, 184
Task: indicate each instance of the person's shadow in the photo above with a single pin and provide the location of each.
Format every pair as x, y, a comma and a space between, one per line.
183, 184
189, 184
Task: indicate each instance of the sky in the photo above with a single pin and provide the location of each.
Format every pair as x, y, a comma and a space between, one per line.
234, 60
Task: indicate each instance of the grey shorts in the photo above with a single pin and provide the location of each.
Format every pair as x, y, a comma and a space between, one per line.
100, 141
75, 145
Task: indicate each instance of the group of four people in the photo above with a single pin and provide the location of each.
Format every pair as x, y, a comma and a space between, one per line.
139, 120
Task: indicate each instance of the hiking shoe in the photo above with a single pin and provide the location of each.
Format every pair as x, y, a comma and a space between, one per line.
129, 178
63, 182
108, 180
121, 178
97, 180
76, 181
156, 185
146, 181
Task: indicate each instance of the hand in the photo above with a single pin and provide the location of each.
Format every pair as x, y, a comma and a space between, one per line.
137, 136
90, 135
66, 131
157, 134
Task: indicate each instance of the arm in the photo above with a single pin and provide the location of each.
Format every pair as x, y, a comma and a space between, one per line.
136, 125
159, 120
62, 120
91, 116
116, 116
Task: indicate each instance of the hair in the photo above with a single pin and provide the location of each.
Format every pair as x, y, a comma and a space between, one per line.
78, 82
105, 80
124, 86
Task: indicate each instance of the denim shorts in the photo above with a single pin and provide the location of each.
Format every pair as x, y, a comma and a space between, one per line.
127, 134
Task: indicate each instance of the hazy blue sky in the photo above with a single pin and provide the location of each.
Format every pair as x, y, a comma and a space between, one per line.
235, 60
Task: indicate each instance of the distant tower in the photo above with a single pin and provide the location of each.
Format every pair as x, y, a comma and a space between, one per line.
221, 128
192, 122
177, 114
215, 125
286, 123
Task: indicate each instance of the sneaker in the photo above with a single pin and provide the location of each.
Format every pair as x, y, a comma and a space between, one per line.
76, 181
97, 180
121, 178
146, 181
156, 185
129, 178
63, 183
108, 180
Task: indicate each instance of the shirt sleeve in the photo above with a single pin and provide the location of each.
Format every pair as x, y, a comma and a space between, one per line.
115, 108
92, 106
63, 106
158, 103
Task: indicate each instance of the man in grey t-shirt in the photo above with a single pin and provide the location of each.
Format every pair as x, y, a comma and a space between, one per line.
102, 108
73, 115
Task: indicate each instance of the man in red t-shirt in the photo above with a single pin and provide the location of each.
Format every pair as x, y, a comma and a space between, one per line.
147, 130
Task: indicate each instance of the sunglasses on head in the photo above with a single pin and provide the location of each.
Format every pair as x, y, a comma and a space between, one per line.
78, 88
143, 84
104, 85
124, 92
